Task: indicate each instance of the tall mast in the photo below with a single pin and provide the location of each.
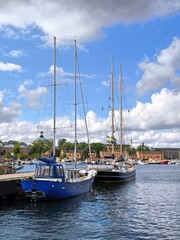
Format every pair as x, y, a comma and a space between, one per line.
75, 103
54, 114
121, 132
112, 104
86, 125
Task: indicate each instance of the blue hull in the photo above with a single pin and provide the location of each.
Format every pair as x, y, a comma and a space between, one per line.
45, 189
115, 176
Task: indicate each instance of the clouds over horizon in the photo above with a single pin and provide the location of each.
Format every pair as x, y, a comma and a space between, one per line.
77, 15
98, 129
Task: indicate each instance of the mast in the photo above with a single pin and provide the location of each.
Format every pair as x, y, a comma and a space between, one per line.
86, 125
112, 104
121, 132
54, 103
84, 112
75, 103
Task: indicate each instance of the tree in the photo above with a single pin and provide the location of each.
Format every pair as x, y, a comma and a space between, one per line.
83, 148
39, 147
143, 148
61, 143
7, 155
132, 150
16, 148
64, 145
23, 156
97, 147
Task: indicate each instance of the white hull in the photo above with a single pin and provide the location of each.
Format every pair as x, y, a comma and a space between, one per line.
101, 167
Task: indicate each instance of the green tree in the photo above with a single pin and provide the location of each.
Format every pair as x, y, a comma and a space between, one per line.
62, 143
142, 148
7, 155
16, 149
83, 148
23, 156
37, 148
132, 150
97, 147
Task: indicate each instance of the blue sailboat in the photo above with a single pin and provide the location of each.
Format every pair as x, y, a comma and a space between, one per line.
53, 180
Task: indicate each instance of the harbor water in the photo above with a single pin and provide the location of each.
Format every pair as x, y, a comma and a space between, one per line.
145, 208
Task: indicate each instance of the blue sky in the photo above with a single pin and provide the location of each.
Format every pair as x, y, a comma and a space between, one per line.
143, 36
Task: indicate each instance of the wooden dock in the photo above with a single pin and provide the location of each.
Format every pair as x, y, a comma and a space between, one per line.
10, 184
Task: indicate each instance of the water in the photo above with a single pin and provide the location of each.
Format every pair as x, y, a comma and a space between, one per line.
147, 208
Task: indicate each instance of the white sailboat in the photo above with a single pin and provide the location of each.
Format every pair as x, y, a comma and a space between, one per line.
54, 180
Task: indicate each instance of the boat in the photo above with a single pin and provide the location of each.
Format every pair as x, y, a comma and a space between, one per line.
141, 162
164, 162
109, 169
9, 168
55, 180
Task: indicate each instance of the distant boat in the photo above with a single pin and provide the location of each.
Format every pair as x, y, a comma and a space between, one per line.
141, 162
9, 168
111, 170
164, 162
54, 180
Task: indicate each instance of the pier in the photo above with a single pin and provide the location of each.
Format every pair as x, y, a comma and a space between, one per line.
10, 184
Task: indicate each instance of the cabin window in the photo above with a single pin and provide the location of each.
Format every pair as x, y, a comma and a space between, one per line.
43, 171
49, 171
60, 171
73, 174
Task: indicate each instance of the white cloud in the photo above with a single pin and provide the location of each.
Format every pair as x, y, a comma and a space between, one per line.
19, 131
106, 83
28, 82
154, 132
8, 113
164, 68
61, 73
161, 113
10, 67
15, 53
32, 96
59, 70
82, 19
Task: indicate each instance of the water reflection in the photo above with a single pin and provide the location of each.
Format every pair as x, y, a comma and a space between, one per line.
146, 208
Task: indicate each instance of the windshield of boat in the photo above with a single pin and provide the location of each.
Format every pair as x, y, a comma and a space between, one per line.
45, 170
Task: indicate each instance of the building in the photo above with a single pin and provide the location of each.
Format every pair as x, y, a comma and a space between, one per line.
70, 155
117, 153
170, 153
9, 149
146, 155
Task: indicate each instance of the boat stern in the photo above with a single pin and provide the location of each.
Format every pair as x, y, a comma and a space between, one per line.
34, 195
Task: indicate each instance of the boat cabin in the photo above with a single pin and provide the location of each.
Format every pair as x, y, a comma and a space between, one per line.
56, 170
49, 171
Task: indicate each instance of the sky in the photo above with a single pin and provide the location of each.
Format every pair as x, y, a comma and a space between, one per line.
141, 36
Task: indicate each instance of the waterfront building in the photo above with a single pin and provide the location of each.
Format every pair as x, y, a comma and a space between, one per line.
108, 151
146, 155
70, 154
170, 153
